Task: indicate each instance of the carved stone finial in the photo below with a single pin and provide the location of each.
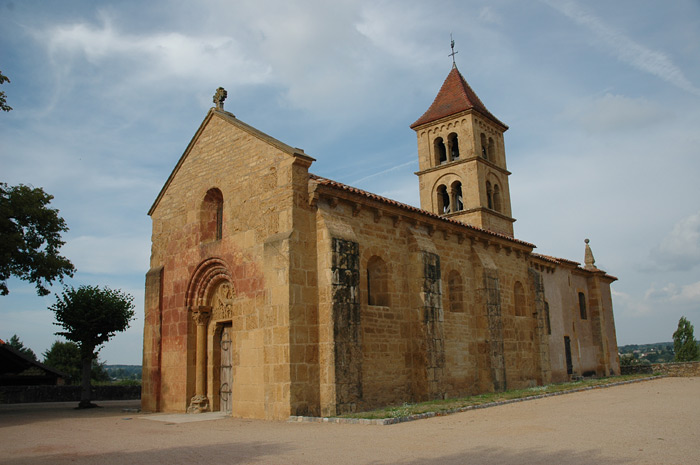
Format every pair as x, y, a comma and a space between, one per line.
588, 258
219, 98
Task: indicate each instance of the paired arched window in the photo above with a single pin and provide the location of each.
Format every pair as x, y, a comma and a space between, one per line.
453, 145
455, 292
440, 151
456, 194
496, 198
519, 298
488, 148
377, 282
493, 196
443, 200
211, 217
445, 154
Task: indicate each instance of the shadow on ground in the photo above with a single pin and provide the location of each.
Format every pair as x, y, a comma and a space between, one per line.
233, 453
498, 456
24, 414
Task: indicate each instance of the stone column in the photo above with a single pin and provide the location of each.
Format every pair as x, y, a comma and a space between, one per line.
200, 403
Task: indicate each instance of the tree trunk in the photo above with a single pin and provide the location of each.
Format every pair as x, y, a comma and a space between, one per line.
86, 391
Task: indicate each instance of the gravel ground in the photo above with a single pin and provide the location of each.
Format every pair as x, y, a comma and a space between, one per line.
652, 422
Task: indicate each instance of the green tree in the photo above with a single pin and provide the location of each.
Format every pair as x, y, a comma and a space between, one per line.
65, 357
30, 238
90, 316
16, 344
3, 100
684, 344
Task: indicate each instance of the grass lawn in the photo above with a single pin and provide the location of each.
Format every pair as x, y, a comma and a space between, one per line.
445, 405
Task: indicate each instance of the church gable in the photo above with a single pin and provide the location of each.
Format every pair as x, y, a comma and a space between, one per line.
233, 165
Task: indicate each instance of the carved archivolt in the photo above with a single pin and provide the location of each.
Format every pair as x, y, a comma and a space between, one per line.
205, 279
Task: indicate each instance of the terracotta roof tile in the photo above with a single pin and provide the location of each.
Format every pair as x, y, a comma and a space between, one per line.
560, 261
455, 96
344, 187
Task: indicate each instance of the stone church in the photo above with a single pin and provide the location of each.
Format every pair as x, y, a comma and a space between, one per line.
275, 292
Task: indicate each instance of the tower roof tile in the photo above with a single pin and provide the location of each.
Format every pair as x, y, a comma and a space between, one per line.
455, 96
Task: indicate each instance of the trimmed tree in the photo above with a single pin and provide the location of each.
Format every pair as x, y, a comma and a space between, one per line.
90, 316
684, 344
30, 238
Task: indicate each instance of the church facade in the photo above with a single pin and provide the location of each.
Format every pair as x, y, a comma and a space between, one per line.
275, 292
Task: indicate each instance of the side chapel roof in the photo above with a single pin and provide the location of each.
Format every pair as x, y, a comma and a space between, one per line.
369, 195
454, 97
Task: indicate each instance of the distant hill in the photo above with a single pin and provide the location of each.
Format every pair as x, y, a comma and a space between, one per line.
119, 372
658, 352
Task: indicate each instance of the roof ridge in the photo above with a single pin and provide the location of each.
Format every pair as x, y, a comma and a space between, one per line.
355, 190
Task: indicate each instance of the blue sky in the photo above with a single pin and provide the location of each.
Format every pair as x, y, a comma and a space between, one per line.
602, 99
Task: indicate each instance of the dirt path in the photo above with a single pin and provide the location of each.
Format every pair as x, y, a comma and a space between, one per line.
653, 422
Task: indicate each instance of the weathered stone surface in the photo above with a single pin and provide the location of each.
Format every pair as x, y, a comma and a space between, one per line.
337, 299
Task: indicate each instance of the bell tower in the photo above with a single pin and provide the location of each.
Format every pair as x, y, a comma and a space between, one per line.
462, 159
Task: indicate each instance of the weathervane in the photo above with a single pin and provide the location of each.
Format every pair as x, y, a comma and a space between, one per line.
452, 46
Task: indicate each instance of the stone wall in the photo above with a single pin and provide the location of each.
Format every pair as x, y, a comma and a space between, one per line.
676, 369
28, 394
680, 369
636, 370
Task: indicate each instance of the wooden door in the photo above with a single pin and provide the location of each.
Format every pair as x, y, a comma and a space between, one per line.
225, 388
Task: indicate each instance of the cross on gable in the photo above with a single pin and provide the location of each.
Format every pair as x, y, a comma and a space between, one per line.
219, 98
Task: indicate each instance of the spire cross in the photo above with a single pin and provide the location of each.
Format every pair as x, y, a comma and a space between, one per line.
452, 46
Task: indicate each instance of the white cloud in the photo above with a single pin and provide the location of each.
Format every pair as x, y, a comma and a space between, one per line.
155, 56
689, 293
671, 292
488, 15
613, 113
680, 249
108, 255
624, 48
631, 306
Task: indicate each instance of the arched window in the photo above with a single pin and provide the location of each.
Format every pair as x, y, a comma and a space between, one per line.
443, 200
440, 151
489, 195
496, 198
519, 297
211, 217
377, 282
456, 194
582, 305
455, 292
484, 147
491, 150
453, 144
